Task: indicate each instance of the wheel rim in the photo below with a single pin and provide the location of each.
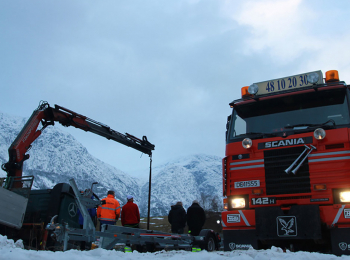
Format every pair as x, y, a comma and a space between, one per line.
211, 244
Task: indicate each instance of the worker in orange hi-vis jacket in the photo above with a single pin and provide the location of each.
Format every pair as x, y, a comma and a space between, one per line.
108, 212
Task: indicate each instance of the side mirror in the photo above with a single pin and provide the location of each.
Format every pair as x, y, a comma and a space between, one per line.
228, 125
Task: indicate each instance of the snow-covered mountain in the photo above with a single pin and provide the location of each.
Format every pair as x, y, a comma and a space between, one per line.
196, 177
56, 156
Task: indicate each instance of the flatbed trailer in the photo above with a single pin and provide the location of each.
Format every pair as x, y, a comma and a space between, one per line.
110, 235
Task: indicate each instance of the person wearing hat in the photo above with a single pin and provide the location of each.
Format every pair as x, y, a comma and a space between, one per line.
130, 215
195, 218
177, 218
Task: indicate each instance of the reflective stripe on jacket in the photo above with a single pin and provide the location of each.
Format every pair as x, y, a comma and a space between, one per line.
110, 210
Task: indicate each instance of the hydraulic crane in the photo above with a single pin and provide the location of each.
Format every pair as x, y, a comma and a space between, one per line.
47, 115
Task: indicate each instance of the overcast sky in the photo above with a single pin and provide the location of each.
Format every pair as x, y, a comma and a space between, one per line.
163, 69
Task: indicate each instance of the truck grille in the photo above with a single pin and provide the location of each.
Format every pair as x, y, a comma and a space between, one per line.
277, 180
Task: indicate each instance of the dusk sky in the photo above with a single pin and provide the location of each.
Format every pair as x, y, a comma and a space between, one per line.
164, 69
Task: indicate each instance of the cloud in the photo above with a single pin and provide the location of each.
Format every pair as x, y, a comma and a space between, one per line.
334, 55
164, 69
276, 27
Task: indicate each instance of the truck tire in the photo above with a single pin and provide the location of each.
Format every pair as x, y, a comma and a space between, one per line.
211, 241
210, 244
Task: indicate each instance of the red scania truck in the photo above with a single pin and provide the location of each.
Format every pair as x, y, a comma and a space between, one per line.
286, 171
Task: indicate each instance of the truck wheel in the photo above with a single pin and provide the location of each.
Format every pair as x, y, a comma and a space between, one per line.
209, 243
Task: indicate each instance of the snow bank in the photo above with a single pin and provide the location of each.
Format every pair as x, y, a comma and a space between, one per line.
10, 250
9, 243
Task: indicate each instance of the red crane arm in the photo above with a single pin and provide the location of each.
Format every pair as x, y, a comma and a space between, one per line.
47, 115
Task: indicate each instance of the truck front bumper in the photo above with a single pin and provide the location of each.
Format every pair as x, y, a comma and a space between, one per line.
249, 228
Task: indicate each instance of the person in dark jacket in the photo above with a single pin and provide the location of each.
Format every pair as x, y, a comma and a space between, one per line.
177, 218
130, 213
195, 218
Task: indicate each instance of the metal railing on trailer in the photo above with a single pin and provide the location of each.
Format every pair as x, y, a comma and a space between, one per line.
110, 235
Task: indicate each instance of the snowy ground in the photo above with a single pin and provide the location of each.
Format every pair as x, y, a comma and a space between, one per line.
9, 250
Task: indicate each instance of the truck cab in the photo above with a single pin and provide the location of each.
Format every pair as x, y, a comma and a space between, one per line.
286, 169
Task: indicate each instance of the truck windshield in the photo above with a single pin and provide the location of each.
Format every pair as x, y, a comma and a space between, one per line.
297, 111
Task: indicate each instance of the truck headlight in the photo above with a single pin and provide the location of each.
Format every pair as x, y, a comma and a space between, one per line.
344, 196
238, 203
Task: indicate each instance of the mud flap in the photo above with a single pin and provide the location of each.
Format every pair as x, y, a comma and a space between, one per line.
340, 241
240, 239
301, 222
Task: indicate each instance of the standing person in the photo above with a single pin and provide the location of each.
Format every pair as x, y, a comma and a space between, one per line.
177, 218
108, 212
130, 213
195, 218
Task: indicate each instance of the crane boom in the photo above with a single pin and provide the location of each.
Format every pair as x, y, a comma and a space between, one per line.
47, 115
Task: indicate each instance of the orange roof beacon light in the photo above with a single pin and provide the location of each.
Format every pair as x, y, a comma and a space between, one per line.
332, 76
244, 91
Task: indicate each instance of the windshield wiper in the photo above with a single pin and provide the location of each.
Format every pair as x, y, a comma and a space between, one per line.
253, 133
259, 134
256, 135
311, 125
